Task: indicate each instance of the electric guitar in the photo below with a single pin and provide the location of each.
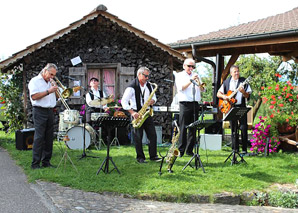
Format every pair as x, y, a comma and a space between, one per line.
226, 105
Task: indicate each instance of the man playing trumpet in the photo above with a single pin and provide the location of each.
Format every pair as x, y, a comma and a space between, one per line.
188, 103
43, 99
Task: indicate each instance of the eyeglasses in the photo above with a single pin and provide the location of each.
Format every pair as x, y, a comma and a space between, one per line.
191, 66
146, 76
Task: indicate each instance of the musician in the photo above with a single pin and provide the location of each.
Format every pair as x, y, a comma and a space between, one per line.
93, 94
188, 104
231, 84
134, 97
43, 99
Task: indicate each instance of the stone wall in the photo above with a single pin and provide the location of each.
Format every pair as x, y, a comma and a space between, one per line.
102, 41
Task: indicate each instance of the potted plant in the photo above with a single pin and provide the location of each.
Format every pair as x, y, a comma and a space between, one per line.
281, 104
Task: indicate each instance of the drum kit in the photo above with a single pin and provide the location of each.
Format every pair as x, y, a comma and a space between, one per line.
70, 125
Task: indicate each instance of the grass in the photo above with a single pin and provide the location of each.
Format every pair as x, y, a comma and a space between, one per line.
139, 180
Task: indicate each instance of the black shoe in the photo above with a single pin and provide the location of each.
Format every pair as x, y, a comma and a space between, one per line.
181, 155
156, 159
48, 166
190, 153
35, 166
141, 160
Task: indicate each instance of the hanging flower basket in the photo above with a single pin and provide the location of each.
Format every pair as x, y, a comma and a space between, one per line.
285, 128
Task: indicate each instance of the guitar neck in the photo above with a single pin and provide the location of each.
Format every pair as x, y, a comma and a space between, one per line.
241, 85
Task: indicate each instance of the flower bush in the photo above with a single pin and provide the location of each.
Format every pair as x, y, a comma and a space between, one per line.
261, 134
281, 101
112, 110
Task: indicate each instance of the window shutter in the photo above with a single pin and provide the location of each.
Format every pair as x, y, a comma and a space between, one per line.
127, 74
79, 74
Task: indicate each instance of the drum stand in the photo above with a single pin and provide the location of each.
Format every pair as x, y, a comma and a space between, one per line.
60, 137
115, 141
65, 156
100, 140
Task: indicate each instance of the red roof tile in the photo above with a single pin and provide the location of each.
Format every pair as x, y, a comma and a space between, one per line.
281, 22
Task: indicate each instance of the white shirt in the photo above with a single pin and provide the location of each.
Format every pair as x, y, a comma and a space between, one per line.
129, 101
233, 87
38, 84
96, 96
186, 95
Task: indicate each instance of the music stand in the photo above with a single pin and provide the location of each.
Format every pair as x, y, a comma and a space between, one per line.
110, 123
198, 125
235, 114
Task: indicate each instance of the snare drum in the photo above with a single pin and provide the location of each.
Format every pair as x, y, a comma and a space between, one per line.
71, 116
76, 136
96, 115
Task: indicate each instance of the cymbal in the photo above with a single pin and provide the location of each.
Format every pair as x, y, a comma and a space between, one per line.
115, 107
97, 102
101, 101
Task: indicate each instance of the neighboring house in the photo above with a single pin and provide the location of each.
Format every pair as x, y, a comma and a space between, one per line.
110, 49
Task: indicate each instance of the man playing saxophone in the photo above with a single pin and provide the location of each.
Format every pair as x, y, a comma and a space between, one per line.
136, 96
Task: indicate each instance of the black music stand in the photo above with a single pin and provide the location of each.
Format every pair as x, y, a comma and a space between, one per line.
110, 123
198, 125
235, 114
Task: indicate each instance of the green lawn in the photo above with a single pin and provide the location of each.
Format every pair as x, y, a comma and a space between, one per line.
259, 173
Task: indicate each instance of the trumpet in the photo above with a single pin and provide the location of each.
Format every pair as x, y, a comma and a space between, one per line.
201, 84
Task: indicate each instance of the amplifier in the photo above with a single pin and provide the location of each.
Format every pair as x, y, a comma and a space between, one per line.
24, 139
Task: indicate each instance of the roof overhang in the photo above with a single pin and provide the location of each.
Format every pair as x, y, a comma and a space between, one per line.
276, 43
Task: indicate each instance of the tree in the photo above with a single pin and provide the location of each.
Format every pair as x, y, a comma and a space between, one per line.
11, 92
263, 70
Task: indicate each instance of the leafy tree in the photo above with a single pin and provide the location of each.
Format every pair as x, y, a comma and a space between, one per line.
11, 92
263, 71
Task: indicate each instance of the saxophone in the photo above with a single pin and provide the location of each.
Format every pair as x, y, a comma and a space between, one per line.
144, 113
173, 152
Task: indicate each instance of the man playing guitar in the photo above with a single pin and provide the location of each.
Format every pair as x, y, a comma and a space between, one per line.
231, 85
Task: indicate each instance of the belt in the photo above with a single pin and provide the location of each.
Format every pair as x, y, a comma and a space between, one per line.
188, 102
39, 107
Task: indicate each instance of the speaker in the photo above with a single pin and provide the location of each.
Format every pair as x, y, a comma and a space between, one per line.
24, 139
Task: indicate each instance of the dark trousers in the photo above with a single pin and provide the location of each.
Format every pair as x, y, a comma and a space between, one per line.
43, 119
187, 136
149, 128
235, 135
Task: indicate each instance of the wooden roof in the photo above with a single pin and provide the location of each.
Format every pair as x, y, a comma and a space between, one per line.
276, 35
100, 10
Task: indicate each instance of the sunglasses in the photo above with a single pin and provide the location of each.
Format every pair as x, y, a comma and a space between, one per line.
146, 76
191, 66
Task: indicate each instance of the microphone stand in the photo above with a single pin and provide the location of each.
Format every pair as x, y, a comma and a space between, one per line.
84, 155
196, 155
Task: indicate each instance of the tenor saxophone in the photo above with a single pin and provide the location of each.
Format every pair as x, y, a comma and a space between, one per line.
173, 151
144, 112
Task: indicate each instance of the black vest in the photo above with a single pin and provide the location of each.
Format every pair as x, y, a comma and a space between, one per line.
135, 84
92, 95
226, 84
89, 108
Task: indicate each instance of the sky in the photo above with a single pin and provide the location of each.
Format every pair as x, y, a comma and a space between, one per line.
25, 22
